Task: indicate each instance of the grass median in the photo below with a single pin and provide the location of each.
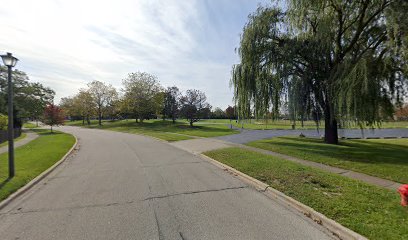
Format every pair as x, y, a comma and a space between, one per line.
165, 130
30, 125
32, 159
369, 210
384, 158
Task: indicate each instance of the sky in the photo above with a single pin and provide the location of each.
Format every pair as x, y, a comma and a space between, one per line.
65, 44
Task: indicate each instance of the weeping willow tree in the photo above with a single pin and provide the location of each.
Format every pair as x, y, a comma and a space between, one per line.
343, 58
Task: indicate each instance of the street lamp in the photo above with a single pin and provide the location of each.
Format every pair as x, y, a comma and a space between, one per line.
10, 62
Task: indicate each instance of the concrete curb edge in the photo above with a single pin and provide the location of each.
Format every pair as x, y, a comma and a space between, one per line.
37, 179
334, 227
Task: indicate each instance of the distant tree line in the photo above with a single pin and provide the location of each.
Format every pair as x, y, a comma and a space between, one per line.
141, 97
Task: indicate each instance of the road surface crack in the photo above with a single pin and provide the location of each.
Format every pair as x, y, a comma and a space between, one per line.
181, 236
193, 192
170, 164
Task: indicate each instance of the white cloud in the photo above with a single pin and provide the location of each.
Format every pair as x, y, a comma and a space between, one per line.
66, 44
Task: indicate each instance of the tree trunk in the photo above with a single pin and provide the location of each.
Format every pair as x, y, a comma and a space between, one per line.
83, 120
51, 128
330, 129
191, 123
174, 120
100, 117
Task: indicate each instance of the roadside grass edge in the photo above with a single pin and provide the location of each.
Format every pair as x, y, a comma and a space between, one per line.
37, 179
334, 227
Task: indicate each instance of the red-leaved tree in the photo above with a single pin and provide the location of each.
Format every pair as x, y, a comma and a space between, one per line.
53, 116
402, 113
230, 112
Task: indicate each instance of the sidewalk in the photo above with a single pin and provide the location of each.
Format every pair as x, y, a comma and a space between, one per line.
30, 136
198, 146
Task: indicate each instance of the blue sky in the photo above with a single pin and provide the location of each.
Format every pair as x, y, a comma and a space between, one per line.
66, 44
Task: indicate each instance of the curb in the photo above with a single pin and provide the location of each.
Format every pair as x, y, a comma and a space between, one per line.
260, 186
334, 227
37, 179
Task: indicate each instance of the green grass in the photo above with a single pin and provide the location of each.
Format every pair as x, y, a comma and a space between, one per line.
369, 210
29, 125
396, 124
22, 136
384, 158
32, 159
215, 121
165, 130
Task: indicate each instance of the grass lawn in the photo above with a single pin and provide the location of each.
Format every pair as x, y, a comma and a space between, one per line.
395, 124
369, 210
23, 135
33, 158
385, 158
165, 130
29, 125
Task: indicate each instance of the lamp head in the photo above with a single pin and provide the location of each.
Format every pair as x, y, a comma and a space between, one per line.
9, 60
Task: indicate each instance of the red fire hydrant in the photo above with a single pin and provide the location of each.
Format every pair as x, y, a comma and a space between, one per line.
403, 190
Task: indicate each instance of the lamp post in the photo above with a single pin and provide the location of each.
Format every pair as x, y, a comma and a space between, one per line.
10, 62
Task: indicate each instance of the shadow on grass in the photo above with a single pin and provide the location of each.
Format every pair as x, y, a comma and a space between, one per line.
366, 151
5, 181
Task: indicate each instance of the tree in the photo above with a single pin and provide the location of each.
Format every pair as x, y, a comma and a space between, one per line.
85, 105
80, 106
30, 98
68, 106
53, 116
330, 56
103, 96
112, 110
230, 113
171, 103
34, 100
124, 107
159, 102
3, 122
218, 113
142, 95
194, 106
401, 113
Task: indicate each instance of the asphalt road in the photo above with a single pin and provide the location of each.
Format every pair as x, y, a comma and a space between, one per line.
247, 135
124, 186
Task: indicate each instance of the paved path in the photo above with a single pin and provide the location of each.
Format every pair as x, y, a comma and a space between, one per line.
246, 135
30, 136
125, 186
202, 145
